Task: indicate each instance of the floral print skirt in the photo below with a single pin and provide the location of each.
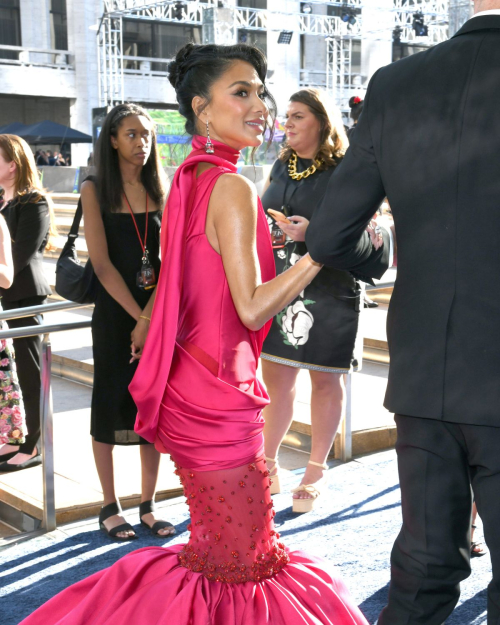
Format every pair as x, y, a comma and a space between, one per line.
12, 415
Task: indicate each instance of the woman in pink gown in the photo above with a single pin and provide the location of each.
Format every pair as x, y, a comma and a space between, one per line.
197, 392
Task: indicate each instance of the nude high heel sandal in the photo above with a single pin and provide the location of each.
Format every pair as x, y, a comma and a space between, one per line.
274, 477
314, 490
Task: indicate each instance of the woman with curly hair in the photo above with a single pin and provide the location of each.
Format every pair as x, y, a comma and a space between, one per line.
317, 330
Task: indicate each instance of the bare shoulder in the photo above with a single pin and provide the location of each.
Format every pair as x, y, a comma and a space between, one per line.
88, 189
90, 203
234, 190
88, 194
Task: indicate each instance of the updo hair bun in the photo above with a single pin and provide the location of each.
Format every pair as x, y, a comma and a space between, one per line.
356, 106
177, 68
197, 66
354, 101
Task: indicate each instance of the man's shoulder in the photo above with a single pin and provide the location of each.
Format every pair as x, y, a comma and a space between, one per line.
437, 53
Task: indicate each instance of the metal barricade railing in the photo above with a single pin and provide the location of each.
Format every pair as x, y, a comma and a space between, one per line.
46, 416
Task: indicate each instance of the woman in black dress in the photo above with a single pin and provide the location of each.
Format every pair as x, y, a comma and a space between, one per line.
122, 229
317, 331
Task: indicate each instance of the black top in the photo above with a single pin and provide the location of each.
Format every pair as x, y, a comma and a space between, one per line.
28, 220
428, 141
318, 329
301, 197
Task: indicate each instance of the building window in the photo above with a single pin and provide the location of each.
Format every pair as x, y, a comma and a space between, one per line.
256, 38
402, 50
58, 24
168, 38
253, 4
356, 56
159, 40
10, 28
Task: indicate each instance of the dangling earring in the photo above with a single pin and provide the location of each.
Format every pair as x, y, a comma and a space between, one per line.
209, 146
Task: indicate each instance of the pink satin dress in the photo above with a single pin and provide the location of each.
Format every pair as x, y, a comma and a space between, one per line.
234, 570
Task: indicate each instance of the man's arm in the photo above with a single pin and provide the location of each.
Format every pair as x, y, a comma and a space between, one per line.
336, 235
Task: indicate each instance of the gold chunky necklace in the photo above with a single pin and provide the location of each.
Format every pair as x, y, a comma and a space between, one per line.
292, 168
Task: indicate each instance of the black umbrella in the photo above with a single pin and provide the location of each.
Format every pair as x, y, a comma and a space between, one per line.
48, 132
12, 129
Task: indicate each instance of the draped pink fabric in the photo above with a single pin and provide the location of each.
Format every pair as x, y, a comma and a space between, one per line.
200, 400
150, 381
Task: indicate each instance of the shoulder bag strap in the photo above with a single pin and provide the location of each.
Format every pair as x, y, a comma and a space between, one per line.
73, 231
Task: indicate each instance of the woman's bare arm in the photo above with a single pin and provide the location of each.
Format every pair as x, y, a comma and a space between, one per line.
95, 237
6, 262
140, 332
231, 230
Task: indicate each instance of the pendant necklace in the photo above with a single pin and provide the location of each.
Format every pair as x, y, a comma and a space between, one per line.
146, 277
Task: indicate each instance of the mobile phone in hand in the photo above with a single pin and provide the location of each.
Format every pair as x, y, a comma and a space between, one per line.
277, 216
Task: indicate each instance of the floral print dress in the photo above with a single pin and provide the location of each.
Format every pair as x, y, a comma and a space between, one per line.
12, 416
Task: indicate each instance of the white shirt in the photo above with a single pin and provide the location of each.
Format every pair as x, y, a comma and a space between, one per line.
490, 12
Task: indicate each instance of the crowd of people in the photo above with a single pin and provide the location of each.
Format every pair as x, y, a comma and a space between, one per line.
245, 278
45, 158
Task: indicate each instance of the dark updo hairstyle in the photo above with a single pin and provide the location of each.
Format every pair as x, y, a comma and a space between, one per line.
109, 178
197, 67
356, 106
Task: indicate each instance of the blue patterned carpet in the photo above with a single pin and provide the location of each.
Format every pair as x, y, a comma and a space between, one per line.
354, 527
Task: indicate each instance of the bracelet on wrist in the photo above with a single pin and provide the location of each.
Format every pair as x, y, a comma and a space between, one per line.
144, 317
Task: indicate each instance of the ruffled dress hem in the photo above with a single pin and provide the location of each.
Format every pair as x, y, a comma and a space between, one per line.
150, 587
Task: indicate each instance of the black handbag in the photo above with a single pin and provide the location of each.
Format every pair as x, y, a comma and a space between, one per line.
74, 281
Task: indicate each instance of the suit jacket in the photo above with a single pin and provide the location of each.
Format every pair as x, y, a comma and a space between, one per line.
28, 222
429, 140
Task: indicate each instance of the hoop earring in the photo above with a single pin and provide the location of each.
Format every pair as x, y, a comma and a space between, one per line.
209, 146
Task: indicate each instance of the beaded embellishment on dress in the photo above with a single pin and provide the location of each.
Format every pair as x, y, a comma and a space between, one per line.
232, 528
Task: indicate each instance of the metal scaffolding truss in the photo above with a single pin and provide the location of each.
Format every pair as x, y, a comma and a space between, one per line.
339, 75
436, 16
221, 25
110, 60
191, 12
339, 70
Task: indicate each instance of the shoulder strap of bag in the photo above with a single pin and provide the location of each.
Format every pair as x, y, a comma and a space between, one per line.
73, 231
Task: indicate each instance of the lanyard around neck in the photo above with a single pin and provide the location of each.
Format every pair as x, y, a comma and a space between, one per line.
143, 245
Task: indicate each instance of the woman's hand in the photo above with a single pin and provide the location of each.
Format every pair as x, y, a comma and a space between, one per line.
373, 230
138, 338
297, 230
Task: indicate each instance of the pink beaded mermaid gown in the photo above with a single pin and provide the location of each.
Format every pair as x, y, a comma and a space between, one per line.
199, 400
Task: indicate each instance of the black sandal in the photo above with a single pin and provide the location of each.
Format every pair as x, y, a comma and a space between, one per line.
149, 506
111, 510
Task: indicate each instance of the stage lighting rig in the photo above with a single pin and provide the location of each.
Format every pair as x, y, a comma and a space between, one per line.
419, 26
178, 8
285, 36
349, 17
396, 34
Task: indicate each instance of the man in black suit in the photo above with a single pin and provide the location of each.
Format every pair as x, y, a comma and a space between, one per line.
429, 140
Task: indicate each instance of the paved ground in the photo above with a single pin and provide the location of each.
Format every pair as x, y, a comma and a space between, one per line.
354, 528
